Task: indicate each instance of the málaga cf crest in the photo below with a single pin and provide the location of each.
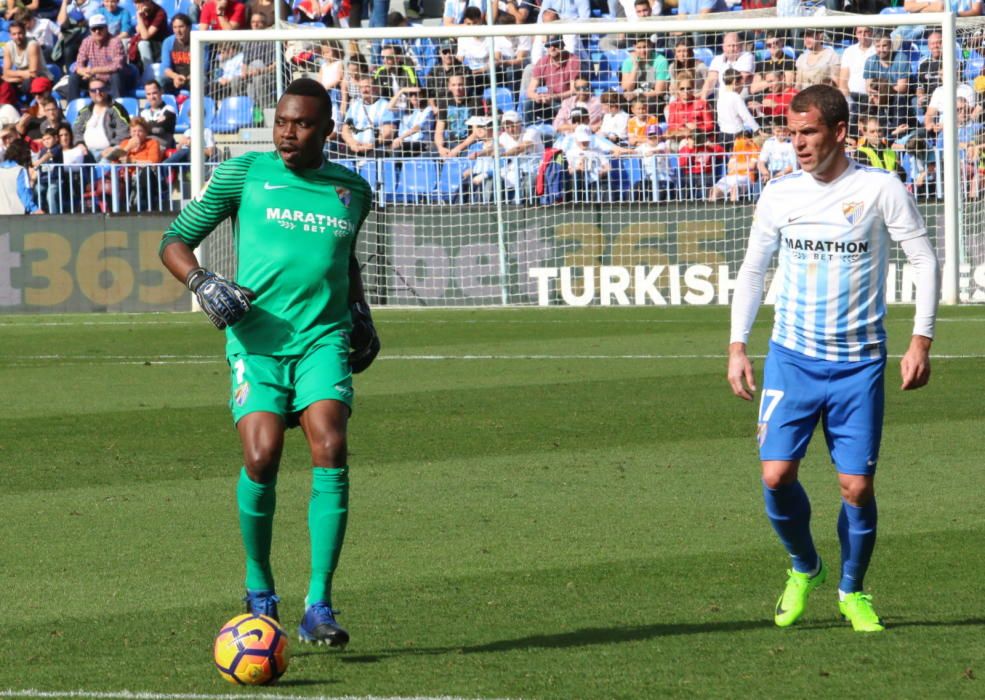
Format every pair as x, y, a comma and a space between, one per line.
345, 196
852, 211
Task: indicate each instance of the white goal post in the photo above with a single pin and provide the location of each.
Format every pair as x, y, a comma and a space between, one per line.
505, 247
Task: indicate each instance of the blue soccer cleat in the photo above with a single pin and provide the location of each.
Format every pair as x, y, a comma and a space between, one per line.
319, 627
262, 603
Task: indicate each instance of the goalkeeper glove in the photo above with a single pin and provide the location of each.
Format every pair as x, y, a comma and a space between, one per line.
364, 342
224, 302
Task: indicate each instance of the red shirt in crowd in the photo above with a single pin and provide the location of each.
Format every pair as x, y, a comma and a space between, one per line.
683, 112
235, 13
700, 160
557, 76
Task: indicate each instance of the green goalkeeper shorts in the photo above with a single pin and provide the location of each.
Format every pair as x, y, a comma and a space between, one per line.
288, 385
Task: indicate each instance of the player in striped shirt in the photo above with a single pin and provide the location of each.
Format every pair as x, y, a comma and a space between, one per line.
296, 330
833, 223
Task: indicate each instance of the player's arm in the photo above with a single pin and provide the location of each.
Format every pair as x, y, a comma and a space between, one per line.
363, 341
904, 223
746, 300
224, 302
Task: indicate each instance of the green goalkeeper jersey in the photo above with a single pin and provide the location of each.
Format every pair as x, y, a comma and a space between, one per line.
294, 232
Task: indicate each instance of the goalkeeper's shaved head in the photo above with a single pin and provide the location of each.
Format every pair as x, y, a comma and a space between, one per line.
306, 87
302, 123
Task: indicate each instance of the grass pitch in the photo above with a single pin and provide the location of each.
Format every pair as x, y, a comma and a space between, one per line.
545, 504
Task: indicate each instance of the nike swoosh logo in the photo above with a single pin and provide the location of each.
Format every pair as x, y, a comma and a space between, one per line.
794, 218
268, 186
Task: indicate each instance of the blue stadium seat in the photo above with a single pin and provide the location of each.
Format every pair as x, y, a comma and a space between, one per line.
56, 72
130, 104
170, 100
450, 179
388, 176
504, 99
72, 111
418, 180
184, 120
973, 67
234, 113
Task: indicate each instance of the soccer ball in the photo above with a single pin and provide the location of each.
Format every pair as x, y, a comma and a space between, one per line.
251, 650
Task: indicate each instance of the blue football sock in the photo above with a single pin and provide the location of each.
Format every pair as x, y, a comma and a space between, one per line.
857, 532
789, 511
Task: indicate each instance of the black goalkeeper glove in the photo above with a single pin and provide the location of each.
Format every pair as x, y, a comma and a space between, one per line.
364, 342
224, 302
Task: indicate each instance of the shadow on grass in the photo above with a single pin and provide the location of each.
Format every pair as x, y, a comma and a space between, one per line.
584, 637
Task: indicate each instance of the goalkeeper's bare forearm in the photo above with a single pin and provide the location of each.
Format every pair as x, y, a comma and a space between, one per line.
179, 258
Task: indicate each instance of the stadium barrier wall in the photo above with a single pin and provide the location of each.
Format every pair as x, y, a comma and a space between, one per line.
572, 255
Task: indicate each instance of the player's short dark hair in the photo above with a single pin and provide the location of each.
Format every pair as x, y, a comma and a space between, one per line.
827, 99
307, 87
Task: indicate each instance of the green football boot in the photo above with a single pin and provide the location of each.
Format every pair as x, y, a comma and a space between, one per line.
792, 602
857, 609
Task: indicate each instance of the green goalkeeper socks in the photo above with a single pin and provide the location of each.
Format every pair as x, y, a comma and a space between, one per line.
327, 514
256, 525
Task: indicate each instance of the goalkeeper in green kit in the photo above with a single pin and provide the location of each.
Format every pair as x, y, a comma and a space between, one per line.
297, 326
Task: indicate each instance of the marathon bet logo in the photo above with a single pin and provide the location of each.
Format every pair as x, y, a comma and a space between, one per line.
310, 221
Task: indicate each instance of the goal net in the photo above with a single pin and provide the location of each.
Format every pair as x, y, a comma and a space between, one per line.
501, 179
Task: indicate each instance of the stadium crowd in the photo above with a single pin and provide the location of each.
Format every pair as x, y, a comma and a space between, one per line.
93, 99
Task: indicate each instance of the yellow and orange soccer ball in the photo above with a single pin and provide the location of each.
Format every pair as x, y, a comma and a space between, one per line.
251, 650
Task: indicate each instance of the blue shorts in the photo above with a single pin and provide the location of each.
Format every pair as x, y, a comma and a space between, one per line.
846, 396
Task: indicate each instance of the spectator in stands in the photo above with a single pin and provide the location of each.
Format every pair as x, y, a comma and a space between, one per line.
684, 60
851, 80
223, 14
513, 56
314, 11
699, 160
645, 73
259, 71
102, 124
874, 149
891, 109
557, 72
158, 116
778, 62
640, 118
777, 157
962, 8
819, 64
523, 149
33, 114
101, 58
437, 80
394, 73
418, 52
176, 55
688, 112
119, 21
454, 11
481, 173
581, 101
23, 61
775, 98
152, 28
178, 175
655, 154
522, 11
369, 126
733, 115
415, 132
267, 9
332, 68
451, 131
587, 165
8, 134
76, 11
740, 171
885, 65
474, 52
144, 182
229, 70
538, 44
929, 75
631, 9
16, 193
936, 109
732, 56
47, 116
62, 186
615, 121
356, 70
41, 29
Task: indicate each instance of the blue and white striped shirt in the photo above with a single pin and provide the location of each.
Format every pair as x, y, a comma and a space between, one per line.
833, 241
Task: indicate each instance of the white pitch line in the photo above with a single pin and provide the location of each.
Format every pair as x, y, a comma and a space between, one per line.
142, 695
